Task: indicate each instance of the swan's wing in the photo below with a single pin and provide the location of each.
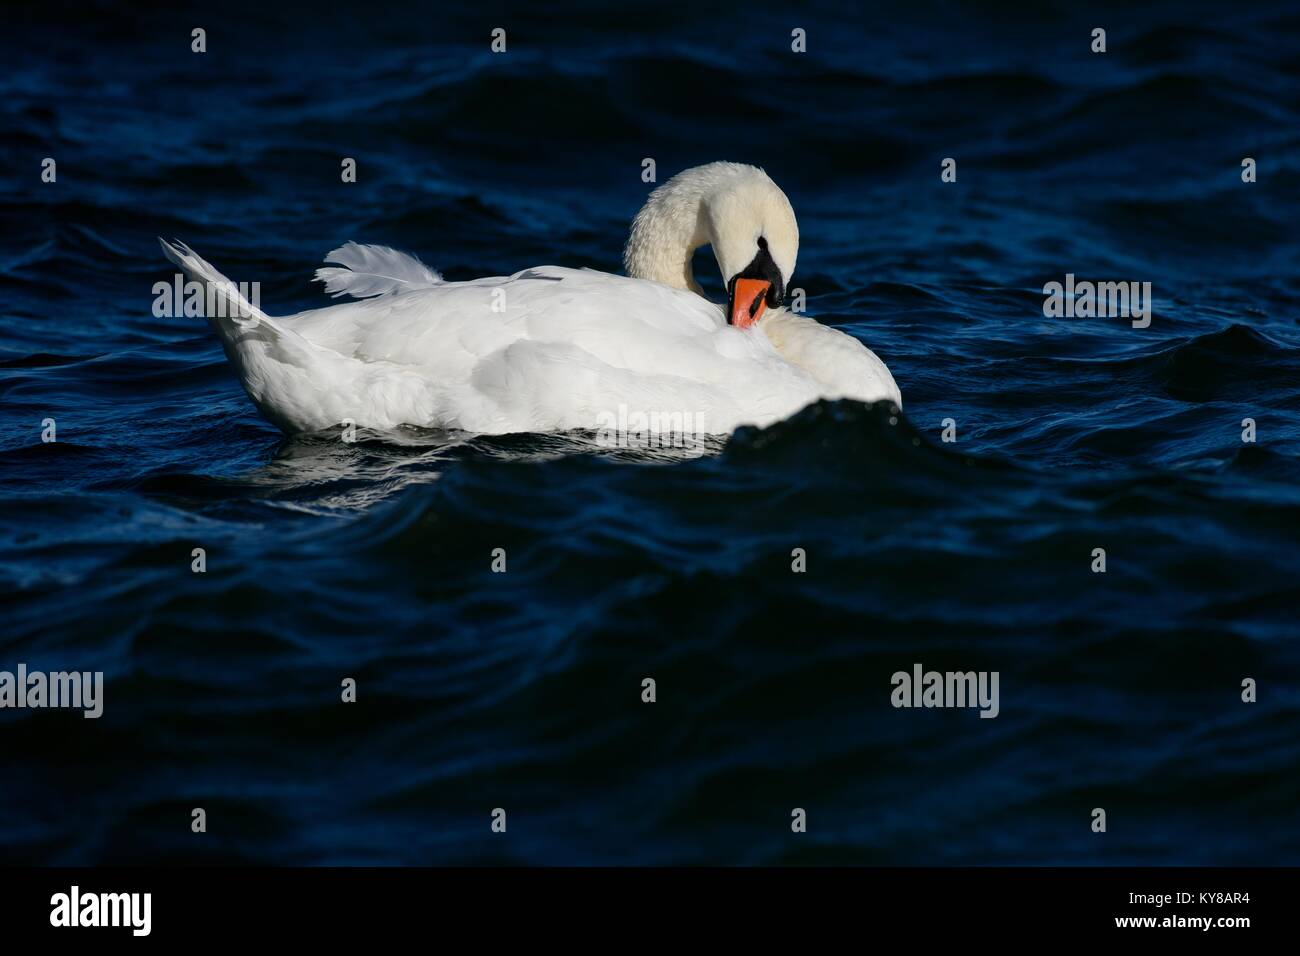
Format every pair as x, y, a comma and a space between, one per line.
374, 270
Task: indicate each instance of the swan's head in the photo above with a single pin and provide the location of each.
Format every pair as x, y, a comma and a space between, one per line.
739, 212
755, 239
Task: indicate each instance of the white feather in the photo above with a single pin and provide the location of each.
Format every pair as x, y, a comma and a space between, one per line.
374, 270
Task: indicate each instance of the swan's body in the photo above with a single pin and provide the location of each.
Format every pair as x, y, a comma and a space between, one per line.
552, 349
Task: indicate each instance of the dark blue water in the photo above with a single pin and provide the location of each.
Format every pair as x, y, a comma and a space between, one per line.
522, 690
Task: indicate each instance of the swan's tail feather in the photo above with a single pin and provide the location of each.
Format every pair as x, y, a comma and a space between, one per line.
223, 299
374, 270
229, 312
295, 383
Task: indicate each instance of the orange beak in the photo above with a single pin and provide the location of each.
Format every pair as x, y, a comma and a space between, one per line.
748, 300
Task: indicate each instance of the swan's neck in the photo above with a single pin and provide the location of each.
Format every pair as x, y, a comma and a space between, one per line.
665, 234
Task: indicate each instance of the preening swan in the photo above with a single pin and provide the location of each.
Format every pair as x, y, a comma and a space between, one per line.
550, 348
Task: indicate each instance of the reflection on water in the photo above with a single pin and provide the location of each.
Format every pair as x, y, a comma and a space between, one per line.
324, 472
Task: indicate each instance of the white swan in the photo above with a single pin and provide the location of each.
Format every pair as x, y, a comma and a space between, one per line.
552, 349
